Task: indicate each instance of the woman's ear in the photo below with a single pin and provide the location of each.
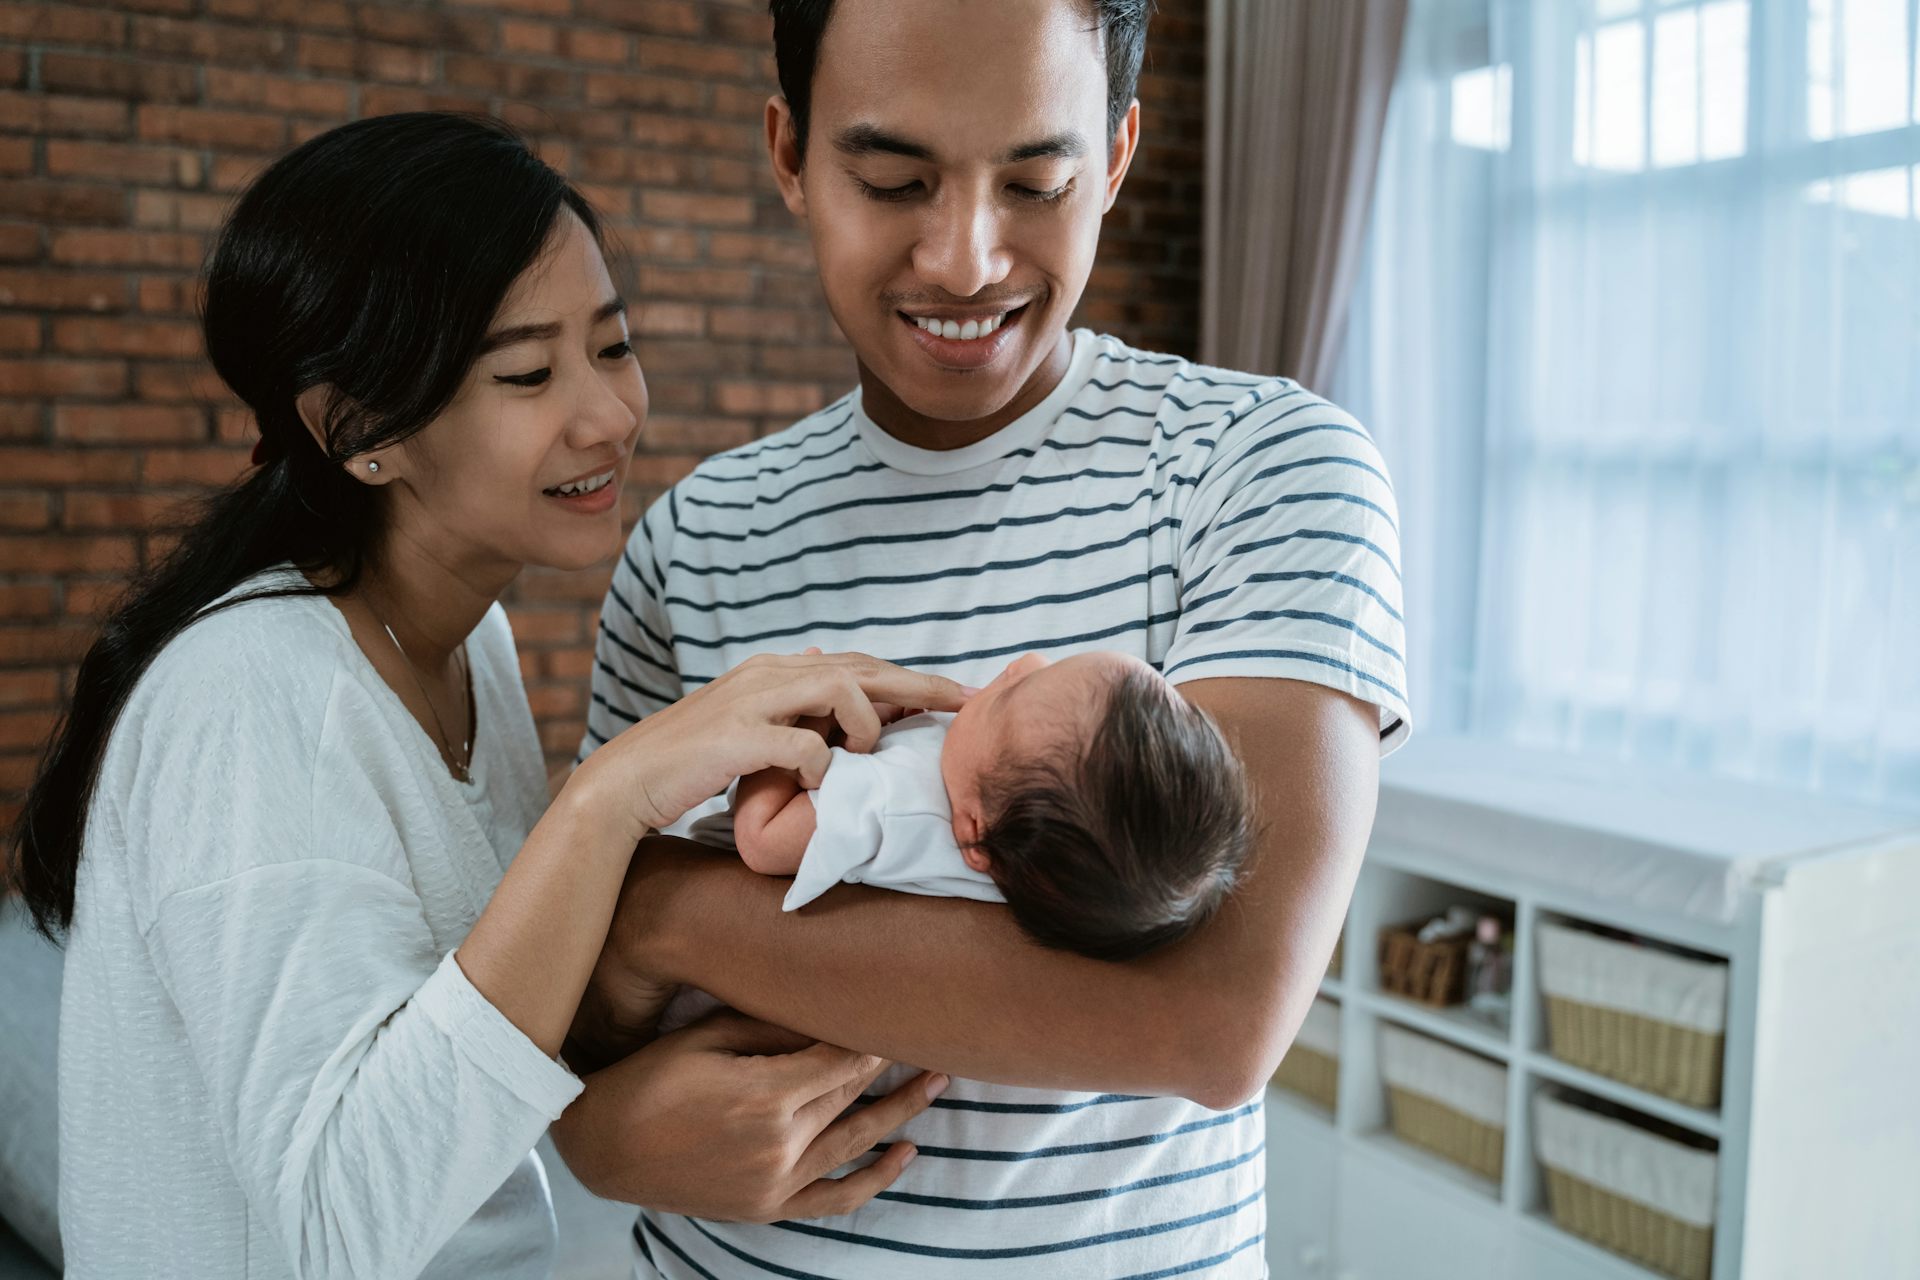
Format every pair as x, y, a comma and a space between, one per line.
312, 405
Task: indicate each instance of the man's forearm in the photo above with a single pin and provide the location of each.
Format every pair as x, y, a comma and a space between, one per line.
943, 983
955, 985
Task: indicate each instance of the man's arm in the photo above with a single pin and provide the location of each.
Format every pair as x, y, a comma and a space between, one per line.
956, 986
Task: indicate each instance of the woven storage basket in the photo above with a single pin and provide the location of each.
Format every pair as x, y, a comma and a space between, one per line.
1430, 972
1629, 1190
1636, 1014
1311, 1068
1449, 1101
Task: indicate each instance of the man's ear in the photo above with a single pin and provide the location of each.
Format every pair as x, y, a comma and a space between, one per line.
1126, 140
783, 149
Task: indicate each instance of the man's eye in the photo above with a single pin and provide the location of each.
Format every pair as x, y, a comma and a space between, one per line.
889, 194
618, 351
1041, 197
533, 379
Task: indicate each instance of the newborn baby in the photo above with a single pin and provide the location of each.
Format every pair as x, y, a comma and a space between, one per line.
1109, 814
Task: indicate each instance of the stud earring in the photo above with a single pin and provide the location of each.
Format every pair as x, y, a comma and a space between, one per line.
373, 466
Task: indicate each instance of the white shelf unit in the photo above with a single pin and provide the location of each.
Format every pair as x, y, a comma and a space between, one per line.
1818, 1127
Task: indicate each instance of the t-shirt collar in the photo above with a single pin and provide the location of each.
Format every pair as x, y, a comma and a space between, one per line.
1024, 432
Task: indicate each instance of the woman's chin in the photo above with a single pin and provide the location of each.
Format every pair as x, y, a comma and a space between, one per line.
577, 553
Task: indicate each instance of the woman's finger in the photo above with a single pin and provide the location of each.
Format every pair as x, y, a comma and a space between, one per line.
831, 1197
884, 682
730, 1031
855, 1133
823, 1071
853, 711
784, 746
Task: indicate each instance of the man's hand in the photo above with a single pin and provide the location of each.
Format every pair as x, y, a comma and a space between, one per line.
735, 1120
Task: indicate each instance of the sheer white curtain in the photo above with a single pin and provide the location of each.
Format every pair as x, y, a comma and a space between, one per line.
1639, 329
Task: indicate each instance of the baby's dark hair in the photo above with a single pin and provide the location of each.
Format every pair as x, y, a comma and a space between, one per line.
1129, 843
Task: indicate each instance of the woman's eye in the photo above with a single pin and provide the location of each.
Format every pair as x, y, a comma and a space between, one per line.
533, 379
888, 194
1042, 197
618, 351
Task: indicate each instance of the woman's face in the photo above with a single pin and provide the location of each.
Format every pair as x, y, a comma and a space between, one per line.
527, 464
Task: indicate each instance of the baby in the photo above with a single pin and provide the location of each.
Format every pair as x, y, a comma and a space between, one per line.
1106, 812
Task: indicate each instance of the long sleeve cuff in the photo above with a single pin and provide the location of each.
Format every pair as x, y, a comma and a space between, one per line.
494, 1044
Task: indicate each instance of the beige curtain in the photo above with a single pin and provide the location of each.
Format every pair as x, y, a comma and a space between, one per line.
1297, 103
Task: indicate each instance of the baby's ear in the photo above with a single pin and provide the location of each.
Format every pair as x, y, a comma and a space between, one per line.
966, 830
976, 858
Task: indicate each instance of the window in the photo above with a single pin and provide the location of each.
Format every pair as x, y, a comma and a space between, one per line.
1639, 330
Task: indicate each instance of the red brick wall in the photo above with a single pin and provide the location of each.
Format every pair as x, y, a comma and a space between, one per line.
124, 131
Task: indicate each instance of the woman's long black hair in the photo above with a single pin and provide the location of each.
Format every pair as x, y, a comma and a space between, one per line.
371, 260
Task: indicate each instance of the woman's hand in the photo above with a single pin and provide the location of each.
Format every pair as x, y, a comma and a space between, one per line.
748, 720
736, 1120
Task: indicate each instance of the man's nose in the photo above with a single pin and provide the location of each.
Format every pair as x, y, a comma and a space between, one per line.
960, 249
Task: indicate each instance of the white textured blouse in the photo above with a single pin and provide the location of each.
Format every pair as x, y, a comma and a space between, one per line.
270, 1063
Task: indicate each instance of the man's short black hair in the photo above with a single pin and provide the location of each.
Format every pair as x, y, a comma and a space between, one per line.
1130, 843
799, 25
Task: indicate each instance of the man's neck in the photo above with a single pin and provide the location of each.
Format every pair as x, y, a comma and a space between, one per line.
893, 416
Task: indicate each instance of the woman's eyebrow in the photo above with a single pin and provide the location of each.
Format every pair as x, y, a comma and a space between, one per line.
541, 332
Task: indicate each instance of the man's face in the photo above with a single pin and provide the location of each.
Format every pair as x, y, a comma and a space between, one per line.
955, 174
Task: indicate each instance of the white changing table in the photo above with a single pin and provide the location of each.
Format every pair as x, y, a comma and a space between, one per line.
1815, 904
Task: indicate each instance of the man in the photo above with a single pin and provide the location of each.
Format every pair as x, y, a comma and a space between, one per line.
997, 485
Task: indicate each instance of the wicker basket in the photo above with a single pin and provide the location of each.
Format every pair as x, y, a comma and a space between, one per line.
1641, 1016
1625, 1188
1311, 1069
1446, 1100
1449, 1134
1311, 1075
1430, 972
1650, 1238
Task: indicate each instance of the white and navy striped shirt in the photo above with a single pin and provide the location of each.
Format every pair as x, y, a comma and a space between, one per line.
1213, 523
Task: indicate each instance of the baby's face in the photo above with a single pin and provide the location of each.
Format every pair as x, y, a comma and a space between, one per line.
1029, 708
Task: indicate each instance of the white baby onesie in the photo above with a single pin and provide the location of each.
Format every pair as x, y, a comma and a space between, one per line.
883, 819
880, 819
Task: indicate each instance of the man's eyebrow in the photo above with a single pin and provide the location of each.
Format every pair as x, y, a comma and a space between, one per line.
869, 139
541, 332
1061, 146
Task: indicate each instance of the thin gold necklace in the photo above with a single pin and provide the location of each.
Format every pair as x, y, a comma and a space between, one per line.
460, 767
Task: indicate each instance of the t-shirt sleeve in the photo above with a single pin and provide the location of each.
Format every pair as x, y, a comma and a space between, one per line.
1289, 556
633, 667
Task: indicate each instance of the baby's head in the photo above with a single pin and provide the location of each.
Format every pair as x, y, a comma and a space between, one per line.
1111, 814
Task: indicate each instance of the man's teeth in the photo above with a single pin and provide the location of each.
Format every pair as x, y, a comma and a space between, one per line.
966, 332
575, 488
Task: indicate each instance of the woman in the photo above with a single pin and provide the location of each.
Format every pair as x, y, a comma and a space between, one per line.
323, 944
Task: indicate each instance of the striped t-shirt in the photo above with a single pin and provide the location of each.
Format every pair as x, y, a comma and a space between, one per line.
1213, 523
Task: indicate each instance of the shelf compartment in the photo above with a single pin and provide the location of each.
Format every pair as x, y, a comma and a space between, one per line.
1706, 1123
1311, 1069
1456, 1024
1446, 1100
1401, 1154
1630, 1184
1644, 1013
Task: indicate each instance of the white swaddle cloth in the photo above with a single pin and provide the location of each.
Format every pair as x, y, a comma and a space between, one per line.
883, 819
880, 819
